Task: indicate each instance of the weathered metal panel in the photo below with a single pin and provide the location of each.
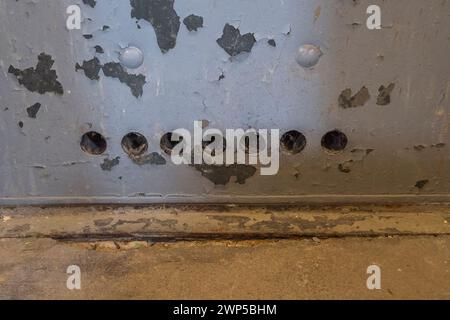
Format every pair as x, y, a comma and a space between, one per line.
388, 90
197, 222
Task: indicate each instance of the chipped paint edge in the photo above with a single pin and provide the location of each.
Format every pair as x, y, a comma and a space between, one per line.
221, 222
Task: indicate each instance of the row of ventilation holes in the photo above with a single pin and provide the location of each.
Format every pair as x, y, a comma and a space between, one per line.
135, 144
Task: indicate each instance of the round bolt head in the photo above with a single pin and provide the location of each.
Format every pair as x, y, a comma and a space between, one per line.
131, 57
308, 55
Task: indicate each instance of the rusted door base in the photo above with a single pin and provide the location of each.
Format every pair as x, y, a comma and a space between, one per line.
160, 223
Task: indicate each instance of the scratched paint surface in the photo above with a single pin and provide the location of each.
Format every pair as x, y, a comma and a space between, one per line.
232, 63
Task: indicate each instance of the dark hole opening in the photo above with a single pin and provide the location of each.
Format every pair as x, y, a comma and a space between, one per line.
293, 142
134, 144
93, 143
334, 141
167, 144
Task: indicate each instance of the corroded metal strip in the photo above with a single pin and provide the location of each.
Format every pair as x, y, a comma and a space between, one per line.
181, 222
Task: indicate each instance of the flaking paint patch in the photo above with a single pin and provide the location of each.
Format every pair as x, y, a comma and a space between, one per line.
162, 16
346, 100
221, 175
103, 222
239, 220
99, 49
421, 184
193, 22
41, 79
422, 147
33, 110
358, 156
149, 159
92, 69
234, 43
146, 222
109, 164
384, 94
318, 222
90, 3
134, 81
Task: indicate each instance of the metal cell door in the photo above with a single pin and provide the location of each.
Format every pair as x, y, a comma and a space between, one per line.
86, 114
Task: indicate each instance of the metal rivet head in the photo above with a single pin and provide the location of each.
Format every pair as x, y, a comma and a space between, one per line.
131, 57
308, 55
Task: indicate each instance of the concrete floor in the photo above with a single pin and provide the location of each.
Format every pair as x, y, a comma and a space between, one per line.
412, 268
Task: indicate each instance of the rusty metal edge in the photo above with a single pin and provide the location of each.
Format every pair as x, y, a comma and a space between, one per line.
403, 199
196, 222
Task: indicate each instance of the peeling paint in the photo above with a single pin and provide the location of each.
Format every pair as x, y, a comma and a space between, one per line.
234, 43
135, 82
90, 3
421, 184
41, 79
384, 94
193, 22
162, 16
109, 164
221, 175
346, 100
33, 110
149, 159
92, 69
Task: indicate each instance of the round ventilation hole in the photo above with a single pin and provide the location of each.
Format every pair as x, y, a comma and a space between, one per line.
93, 143
334, 141
134, 144
167, 144
293, 142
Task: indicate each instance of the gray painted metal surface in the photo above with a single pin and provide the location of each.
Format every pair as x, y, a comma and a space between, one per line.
388, 90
